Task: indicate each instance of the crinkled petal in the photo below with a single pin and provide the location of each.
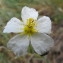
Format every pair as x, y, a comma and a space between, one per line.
14, 25
18, 44
28, 13
41, 43
44, 25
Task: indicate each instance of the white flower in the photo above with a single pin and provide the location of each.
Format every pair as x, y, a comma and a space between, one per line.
30, 29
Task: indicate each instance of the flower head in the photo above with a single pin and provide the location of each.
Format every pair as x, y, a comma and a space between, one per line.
30, 29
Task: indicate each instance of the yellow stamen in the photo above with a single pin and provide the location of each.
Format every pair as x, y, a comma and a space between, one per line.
29, 28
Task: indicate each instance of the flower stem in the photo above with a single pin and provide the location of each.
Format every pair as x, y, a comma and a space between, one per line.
30, 49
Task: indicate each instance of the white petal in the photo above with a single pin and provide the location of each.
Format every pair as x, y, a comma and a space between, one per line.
14, 25
28, 13
18, 44
41, 43
44, 25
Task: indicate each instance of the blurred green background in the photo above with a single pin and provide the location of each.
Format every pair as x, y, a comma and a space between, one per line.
12, 8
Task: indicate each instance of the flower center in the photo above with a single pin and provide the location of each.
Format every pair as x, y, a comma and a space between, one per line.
29, 28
